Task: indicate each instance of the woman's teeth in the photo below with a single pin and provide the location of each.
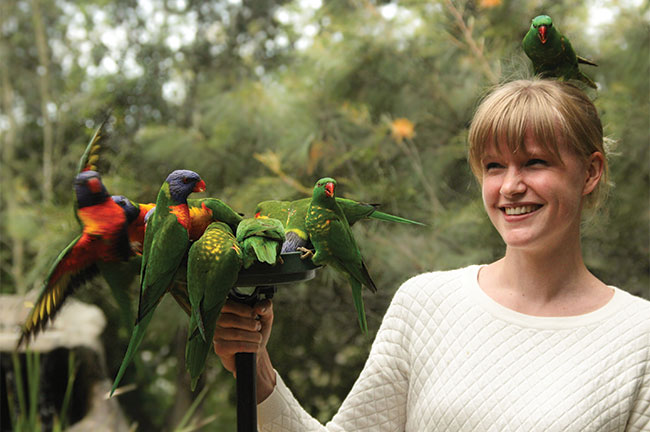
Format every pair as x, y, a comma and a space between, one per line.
521, 210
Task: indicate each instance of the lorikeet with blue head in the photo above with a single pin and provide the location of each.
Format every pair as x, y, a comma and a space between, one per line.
213, 265
334, 244
293, 214
551, 52
261, 240
166, 242
103, 239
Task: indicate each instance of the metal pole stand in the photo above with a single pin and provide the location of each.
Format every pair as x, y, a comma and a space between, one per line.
264, 279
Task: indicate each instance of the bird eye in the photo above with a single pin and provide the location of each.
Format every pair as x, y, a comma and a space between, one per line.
186, 180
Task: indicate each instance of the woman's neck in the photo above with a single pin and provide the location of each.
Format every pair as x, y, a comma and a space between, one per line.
544, 284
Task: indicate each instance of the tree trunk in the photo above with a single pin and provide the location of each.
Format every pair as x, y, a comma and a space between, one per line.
46, 99
9, 203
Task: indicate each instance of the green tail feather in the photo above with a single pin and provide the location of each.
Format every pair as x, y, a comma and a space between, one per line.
196, 353
358, 304
136, 339
392, 218
198, 320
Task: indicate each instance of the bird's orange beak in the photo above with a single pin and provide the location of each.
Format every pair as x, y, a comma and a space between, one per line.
199, 186
541, 32
329, 189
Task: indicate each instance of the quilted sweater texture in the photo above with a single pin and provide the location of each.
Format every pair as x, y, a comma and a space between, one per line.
449, 358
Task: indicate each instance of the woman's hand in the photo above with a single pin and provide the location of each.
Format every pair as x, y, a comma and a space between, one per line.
244, 329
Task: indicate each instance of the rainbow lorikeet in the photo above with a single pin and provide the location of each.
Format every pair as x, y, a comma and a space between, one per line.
103, 239
293, 213
334, 244
261, 240
213, 265
551, 52
166, 241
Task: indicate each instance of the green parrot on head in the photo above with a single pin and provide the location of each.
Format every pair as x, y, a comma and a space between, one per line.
551, 52
213, 264
334, 244
166, 241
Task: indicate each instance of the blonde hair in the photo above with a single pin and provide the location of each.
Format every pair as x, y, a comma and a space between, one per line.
554, 112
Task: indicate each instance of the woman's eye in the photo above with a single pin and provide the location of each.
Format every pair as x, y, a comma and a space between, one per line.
492, 165
536, 162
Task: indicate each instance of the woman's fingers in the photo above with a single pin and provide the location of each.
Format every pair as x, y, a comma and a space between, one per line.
241, 328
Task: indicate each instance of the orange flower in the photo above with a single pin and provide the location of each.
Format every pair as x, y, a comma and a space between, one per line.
402, 128
489, 3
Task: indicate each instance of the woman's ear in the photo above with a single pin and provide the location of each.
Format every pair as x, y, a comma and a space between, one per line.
595, 166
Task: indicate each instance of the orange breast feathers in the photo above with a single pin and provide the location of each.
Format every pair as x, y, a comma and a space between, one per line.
200, 218
137, 228
182, 214
104, 220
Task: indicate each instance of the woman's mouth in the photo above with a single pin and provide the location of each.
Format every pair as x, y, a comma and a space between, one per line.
520, 210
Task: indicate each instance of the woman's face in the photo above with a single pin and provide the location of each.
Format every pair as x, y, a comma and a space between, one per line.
534, 198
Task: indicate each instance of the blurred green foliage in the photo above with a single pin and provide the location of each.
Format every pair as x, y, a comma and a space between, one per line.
262, 99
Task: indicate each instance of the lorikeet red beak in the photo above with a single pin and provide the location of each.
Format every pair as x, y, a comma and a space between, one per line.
329, 189
541, 32
199, 187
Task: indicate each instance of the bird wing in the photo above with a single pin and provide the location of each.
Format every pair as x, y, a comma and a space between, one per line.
165, 253
344, 249
74, 265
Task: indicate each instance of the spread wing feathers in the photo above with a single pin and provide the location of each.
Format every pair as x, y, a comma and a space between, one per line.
260, 239
72, 268
213, 265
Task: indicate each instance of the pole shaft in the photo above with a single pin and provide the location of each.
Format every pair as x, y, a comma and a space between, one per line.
246, 392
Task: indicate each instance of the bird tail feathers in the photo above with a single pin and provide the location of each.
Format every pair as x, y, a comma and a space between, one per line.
392, 218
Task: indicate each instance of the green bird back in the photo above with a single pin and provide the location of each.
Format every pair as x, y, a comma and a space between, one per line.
213, 265
551, 52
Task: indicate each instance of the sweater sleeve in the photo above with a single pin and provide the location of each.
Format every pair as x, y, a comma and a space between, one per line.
377, 401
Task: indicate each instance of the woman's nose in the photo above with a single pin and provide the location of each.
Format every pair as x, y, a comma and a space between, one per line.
513, 183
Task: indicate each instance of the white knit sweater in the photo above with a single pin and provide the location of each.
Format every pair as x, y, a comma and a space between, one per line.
449, 358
